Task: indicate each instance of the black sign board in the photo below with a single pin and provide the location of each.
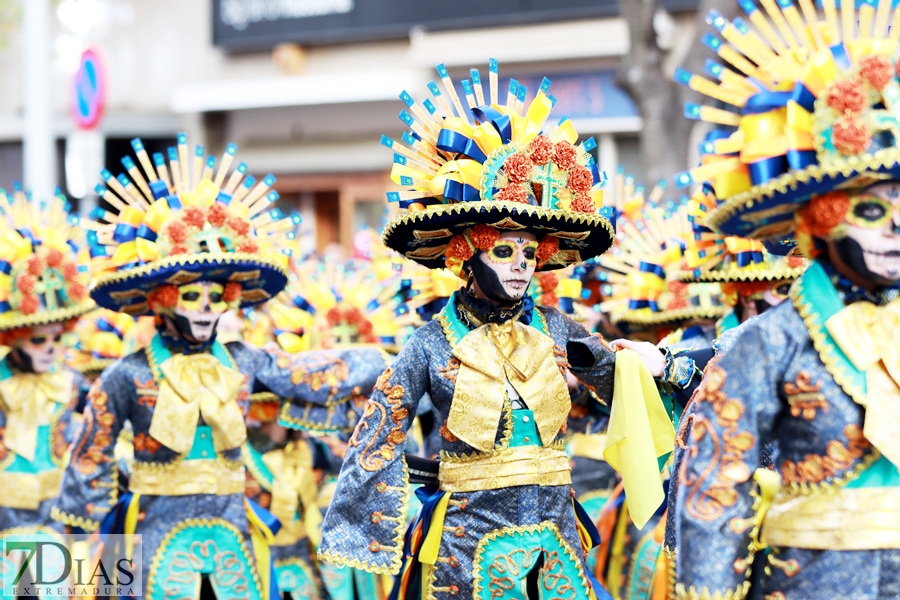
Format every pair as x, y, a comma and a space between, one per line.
261, 24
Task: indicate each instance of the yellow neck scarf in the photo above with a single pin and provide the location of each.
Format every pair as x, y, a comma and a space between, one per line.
866, 333
489, 356
195, 385
30, 400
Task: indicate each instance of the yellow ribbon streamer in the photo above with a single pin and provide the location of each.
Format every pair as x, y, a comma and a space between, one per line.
132, 514
261, 539
490, 356
639, 432
196, 385
428, 554
30, 400
862, 331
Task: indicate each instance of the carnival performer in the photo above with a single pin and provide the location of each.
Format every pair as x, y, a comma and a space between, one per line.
44, 290
288, 454
187, 243
816, 376
520, 196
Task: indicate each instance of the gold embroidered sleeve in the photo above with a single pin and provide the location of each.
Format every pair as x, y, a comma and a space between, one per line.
730, 415
366, 520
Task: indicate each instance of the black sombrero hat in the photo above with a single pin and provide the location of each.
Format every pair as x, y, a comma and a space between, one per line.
496, 164
809, 122
714, 257
175, 227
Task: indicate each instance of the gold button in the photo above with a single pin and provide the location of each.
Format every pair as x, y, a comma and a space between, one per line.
203, 453
528, 439
525, 419
202, 436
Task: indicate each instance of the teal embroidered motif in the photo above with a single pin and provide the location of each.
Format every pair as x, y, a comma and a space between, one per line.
505, 557
198, 546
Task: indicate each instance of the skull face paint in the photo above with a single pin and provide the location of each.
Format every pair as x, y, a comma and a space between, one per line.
40, 350
198, 310
502, 274
869, 239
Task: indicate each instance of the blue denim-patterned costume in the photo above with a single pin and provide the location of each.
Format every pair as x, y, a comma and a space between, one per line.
750, 397
364, 526
127, 391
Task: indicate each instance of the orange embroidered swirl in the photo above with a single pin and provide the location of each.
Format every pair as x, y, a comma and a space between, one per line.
728, 451
86, 461
838, 457
393, 395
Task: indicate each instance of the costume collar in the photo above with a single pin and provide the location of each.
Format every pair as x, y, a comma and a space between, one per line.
729, 321
455, 329
478, 311
158, 353
817, 299
850, 293
179, 345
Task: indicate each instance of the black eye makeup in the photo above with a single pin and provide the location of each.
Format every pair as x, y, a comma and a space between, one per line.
869, 211
215, 297
190, 296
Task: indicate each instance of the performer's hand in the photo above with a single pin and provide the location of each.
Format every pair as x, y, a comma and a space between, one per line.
650, 355
571, 380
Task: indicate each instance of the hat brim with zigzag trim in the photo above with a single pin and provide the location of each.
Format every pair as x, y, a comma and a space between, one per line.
771, 273
647, 318
423, 235
767, 210
261, 277
17, 320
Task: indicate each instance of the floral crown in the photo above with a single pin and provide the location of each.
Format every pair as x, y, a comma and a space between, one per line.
43, 272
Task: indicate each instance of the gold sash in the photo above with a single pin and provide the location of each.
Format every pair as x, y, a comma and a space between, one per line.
867, 334
28, 490
489, 356
30, 400
519, 465
196, 385
188, 477
865, 518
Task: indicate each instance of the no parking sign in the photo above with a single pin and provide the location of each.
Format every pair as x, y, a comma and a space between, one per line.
89, 91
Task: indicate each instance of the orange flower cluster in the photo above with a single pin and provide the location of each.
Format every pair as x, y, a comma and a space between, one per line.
548, 247
27, 280
194, 218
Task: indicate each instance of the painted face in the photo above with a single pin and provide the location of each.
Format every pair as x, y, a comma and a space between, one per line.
198, 310
503, 273
872, 229
42, 348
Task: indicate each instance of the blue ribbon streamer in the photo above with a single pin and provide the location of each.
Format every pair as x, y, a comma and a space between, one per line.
145, 232
124, 233
638, 304
648, 267
460, 192
841, 57
501, 122
453, 141
766, 169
